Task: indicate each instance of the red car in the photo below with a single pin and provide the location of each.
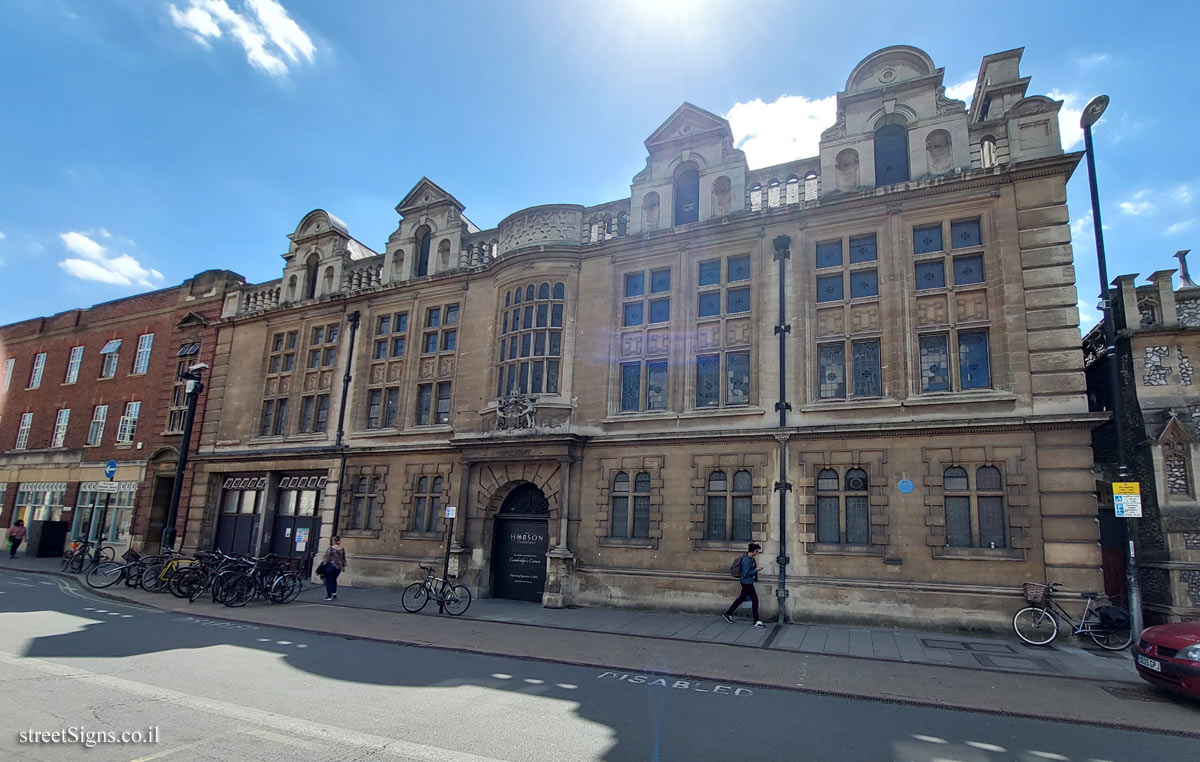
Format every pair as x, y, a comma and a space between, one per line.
1168, 655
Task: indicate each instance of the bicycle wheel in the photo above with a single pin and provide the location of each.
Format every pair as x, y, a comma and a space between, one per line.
107, 553
286, 588
1108, 638
239, 591
183, 582
66, 559
202, 587
77, 563
105, 574
1035, 626
133, 574
415, 597
153, 580
458, 600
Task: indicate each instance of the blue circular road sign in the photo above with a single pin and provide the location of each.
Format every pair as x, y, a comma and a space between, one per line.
110, 469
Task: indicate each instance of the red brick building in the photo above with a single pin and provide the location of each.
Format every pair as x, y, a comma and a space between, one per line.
91, 385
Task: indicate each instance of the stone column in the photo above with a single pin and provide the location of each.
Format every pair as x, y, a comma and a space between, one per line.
560, 561
460, 548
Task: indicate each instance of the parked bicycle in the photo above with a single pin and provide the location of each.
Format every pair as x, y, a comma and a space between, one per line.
80, 555
1037, 624
109, 573
158, 575
454, 599
264, 578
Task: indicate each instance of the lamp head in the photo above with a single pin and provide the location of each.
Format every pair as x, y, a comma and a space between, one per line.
1093, 111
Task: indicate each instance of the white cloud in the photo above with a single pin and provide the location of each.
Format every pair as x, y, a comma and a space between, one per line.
963, 91
1081, 225
787, 129
1138, 205
264, 29
1068, 117
2, 236
1088, 315
1182, 194
1091, 61
1179, 227
98, 265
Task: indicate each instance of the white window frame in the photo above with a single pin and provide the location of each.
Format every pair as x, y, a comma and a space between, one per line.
73, 363
23, 431
127, 426
39, 365
109, 369
96, 427
9, 365
60, 427
141, 359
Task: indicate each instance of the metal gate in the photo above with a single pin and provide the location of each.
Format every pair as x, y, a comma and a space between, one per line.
237, 525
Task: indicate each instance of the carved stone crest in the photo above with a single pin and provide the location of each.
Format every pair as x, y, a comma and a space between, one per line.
946, 105
516, 412
838, 130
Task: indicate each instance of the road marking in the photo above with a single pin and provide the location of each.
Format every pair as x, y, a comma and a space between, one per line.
214, 623
18, 584
169, 752
679, 685
70, 590
284, 724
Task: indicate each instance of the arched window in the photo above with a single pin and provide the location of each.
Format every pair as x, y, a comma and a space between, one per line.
792, 196
722, 201
327, 286
650, 211
310, 275
398, 264
773, 193
619, 513
687, 194
891, 152
956, 488
849, 498
625, 523
730, 507
988, 155
423, 243
810, 186
939, 152
427, 499
755, 197
444, 255
622, 223
846, 165
531, 336
291, 289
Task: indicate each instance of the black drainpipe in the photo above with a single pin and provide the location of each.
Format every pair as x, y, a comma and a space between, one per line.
352, 318
782, 255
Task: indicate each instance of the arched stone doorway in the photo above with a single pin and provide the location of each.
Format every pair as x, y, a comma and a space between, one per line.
520, 539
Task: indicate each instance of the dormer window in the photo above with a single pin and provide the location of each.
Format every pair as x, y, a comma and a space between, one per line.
891, 151
423, 243
687, 194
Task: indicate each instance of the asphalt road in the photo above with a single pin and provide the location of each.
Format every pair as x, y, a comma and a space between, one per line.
216, 690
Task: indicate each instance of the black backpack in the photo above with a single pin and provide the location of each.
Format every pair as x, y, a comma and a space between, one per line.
735, 568
1113, 617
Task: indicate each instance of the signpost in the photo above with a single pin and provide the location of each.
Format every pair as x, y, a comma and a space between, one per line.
1127, 500
108, 488
451, 514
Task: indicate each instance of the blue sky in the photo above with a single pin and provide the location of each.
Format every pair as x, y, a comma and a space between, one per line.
146, 141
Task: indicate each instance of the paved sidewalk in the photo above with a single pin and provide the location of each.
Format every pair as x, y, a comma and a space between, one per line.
1067, 657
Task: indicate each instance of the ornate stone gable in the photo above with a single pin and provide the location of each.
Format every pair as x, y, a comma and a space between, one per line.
686, 124
424, 194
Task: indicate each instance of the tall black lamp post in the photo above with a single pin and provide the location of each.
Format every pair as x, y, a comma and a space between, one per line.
1092, 114
194, 387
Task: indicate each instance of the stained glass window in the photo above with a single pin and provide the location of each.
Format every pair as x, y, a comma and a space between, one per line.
708, 381
935, 363
831, 371
738, 300
635, 284
974, 369
965, 233
958, 521
631, 386
864, 283
829, 288
656, 386
619, 521
863, 249
737, 368
927, 239
710, 272
931, 274
660, 281
632, 314
710, 304
867, 380
968, 270
660, 310
828, 519
829, 254
739, 268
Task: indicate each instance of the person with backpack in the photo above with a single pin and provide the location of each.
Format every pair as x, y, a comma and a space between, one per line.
746, 570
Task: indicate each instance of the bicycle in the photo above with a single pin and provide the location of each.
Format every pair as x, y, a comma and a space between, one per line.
158, 575
109, 573
1037, 624
79, 555
455, 599
261, 578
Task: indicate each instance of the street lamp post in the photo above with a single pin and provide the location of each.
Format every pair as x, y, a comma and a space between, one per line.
194, 387
1092, 114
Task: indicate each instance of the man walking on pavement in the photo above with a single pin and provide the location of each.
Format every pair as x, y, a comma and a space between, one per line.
750, 570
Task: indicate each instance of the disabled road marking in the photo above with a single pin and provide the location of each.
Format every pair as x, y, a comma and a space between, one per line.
214, 623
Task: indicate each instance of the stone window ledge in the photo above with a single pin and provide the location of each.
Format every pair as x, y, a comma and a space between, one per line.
547, 401
641, 415
432, 428
380, 432
724, 412
627, 542
369, 534
853, 404
307, 437
723, 546
951, 398
266, 440
979, 554
412, 534
831, 549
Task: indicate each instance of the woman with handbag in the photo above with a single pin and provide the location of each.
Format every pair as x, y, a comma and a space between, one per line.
331, 566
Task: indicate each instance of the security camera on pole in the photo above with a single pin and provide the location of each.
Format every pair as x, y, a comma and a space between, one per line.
194, 387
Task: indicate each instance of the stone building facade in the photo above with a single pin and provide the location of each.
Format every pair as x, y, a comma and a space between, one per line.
1158, 339
91, 385
596, 389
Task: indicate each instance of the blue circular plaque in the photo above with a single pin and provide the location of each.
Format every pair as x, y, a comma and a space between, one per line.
906, 486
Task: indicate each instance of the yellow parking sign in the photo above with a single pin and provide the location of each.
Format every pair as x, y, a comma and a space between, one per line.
1127, 488
1127, 499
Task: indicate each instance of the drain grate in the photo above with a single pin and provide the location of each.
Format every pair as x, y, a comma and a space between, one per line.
1136, 694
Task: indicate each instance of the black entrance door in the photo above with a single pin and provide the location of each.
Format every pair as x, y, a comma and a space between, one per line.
521, 539
160, 502
296, 526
